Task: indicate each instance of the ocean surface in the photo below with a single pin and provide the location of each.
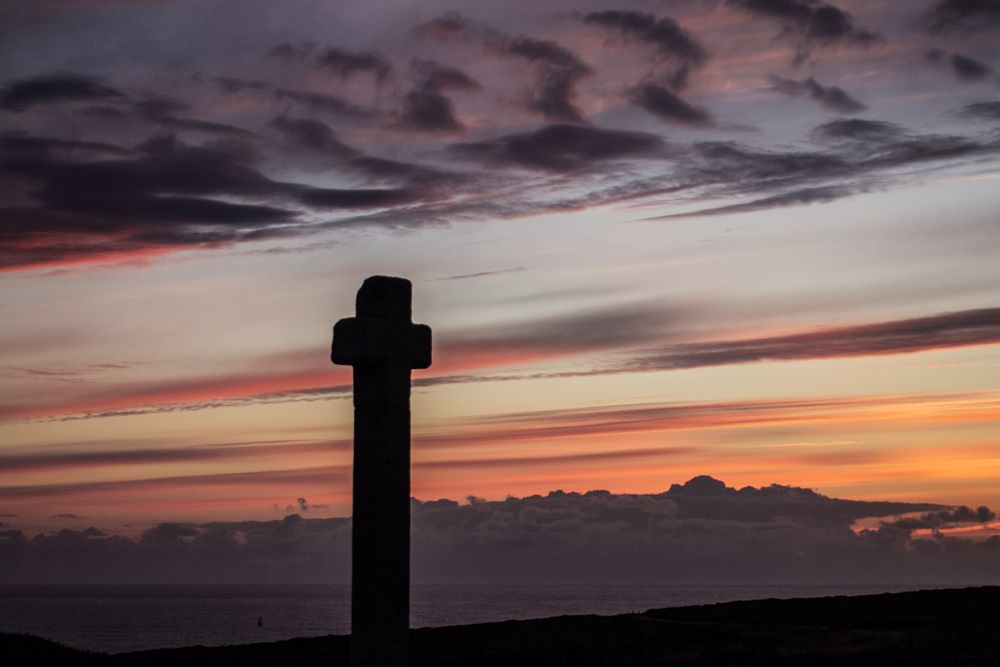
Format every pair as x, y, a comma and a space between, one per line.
114, 619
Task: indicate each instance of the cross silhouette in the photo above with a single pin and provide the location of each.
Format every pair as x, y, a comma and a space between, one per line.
383, 345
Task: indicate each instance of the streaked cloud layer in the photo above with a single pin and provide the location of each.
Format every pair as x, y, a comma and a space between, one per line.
747, 238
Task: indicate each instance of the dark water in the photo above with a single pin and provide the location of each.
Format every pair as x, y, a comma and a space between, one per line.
114, 619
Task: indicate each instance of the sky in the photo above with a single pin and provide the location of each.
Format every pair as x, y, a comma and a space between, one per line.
751, 239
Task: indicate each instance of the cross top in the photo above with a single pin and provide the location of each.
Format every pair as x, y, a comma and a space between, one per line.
382, 341
386, 298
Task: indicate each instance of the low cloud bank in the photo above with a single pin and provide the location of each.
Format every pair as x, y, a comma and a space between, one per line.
694, 533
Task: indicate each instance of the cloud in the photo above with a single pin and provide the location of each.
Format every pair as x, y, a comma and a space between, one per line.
450, 25
289, 51
213, 184
557, 69
54, 89
562, 148
318, 102
634, 338
667, 106
860, 130
535, 50
303, 476
945, 518
665, 34
480, 274
143, 205
162, 113
194, 393
698, 531
982, 110
743, 164
322, 102
801, 197
302, 505
967, 69
233, 85
346, 64
602, 329
441, 77
26, 462
66, 515
729, 169
664, 418
957, 329
877, 145
464, 438
168, 533
418, 175
311, 135
963, 67
16, 143
560, 71
673, 43
962, 15
354, 198
701, 531
425, 107
810, 22
833, 98
290, 550
168, 180
167, 122
854, 155
167, 193
522, 463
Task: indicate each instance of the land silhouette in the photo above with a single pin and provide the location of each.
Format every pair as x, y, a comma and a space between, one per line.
935, 627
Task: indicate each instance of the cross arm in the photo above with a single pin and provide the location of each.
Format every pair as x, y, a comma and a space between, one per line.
361, 341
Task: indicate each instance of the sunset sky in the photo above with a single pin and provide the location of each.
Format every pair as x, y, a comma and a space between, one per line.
753, 239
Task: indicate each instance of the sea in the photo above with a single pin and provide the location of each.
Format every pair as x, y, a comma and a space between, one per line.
117, 619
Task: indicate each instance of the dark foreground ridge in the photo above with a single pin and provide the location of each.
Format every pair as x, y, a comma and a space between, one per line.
937, 627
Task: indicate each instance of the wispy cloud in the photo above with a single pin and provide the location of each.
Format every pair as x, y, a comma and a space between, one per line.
24, 94
299, 476
425, 107
347, 63
970, 327
831, 97
481, 274
626, 335
962, 15
811, 24
557, 70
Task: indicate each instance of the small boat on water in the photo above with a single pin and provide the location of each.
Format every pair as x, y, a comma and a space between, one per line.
260, 621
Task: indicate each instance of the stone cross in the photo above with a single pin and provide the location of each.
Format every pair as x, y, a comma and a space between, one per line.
383, 345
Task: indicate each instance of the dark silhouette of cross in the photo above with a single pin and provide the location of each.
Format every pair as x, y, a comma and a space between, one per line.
383, 345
